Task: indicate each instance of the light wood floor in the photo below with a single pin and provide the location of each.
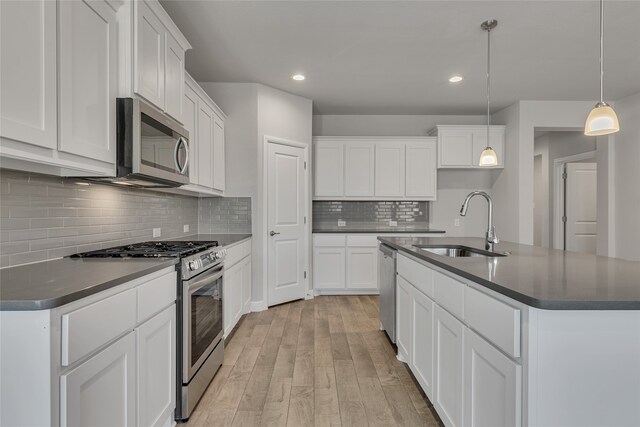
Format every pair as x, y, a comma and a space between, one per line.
321, 362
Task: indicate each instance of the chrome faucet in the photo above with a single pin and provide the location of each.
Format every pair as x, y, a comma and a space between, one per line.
491, 238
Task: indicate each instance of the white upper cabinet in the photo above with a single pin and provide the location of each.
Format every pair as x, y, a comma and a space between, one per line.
359, 169
420, 170
375, 168
460, 146
190, 116
158, 57
218, 154
59, 81
329, 168
88, 64
28, 72
390, 169
205, 144
174, 78
149, 54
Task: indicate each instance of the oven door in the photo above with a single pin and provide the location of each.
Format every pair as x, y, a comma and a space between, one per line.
202, 322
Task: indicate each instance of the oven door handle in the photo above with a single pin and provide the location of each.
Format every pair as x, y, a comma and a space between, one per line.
211, 276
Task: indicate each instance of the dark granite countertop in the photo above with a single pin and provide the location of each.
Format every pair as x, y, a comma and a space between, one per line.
223, 239
376, 230
50, 284
539, 277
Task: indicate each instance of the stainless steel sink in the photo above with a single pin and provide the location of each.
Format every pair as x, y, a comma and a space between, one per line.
458, 251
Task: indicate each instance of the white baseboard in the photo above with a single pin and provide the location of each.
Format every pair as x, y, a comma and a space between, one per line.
346, 292
258, 306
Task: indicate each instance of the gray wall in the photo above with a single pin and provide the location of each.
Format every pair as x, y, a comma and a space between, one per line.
44, 217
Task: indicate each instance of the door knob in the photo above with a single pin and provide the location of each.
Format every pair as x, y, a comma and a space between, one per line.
273, 233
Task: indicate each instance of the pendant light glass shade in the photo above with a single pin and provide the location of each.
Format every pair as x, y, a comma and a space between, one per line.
488, 157
602, 120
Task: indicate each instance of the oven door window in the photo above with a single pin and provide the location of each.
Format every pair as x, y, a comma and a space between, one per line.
206, 318
161, 148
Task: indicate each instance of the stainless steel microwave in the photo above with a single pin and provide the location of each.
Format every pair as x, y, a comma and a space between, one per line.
152, 148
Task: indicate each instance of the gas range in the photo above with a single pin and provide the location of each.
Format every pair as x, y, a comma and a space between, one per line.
196, 256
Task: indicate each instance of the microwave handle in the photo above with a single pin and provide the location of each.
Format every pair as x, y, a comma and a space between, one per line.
176, 157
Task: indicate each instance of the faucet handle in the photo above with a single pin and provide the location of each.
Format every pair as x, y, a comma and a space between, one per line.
491, 235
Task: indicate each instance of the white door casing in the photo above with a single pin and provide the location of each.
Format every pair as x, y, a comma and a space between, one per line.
287, 194
581, 207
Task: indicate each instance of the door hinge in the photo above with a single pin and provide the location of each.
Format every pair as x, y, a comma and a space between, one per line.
305, 219
564, 218
305, 165
305, 274
564, 175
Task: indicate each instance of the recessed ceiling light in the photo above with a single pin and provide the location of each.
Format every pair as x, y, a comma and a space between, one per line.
456, 79
298, 77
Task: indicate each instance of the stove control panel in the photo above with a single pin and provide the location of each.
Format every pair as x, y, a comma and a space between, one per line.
197, 263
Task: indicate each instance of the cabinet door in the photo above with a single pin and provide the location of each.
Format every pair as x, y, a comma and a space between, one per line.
218, 154
390, 178
329, 169
246, 285
149, 55
403, 319
359, 158
157, 369
205, 144
422, 343
88, 63
329, 268
496, 136
102, 390
232, 297
455, 148
174, 78
362, 268
421, 170
448, 368
190, 118
28, 108
492, 385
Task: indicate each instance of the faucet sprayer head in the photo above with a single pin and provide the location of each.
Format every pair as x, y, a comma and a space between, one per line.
463, 209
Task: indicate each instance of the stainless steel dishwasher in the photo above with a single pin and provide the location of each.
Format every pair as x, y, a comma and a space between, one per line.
387, 275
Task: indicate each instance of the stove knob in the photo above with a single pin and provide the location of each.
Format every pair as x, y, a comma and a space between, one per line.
193, 265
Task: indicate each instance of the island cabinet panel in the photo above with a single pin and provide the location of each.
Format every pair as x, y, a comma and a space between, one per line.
449, 340
422, 344
449, 293
492, 385
403, 319
102, 390
496, 321
417, 274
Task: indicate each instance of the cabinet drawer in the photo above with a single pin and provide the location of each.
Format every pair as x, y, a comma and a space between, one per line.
449, 293
92, 326
420, 276
329, 240
362, 241
234, 254
246, 248
495, 320
156, 295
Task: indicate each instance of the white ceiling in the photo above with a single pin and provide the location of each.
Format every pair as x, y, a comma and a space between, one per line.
394, 57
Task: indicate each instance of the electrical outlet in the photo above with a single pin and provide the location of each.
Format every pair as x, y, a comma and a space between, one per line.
456, 222
393, 223
342, 223
157, 232
185, 228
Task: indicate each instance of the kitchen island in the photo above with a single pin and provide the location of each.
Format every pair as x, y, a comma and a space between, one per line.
538, 337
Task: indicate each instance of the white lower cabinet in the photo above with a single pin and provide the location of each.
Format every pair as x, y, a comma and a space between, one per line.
492, 385
362, 267
403, 319
449, 338
156, 374
329, 267
422, 344
236, 292
102, 390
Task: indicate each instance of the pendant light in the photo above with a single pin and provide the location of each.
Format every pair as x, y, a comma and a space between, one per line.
488, 157
602, 120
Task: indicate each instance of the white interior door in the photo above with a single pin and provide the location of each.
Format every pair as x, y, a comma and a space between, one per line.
581, 207
286, 194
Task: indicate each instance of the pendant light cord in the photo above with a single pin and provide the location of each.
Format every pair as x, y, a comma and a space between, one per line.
488, 83
601, 50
